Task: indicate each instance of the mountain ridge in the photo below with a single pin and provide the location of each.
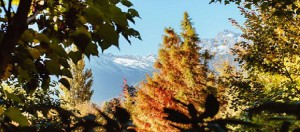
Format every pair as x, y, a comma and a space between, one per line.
109, 70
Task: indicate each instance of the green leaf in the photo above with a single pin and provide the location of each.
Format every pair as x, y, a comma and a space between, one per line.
82, 37
64, 62
114, 1
23, 75
28, 64
59, 50
14, 97
118, 16
91, 49
53, 67
65, 82
109, 35
126, 3
94, 15
133, 12
16, 115
27, 36
43, 38
66, 72
75, 56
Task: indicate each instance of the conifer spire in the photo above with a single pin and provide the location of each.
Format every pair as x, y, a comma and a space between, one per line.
188, 31
80, 83
179, 75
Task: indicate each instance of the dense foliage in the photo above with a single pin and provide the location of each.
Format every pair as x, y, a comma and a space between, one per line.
183, 94
35, 36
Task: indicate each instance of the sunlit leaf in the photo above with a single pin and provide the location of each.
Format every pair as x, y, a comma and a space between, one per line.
15, 2
14, 97
1, 110
16, 115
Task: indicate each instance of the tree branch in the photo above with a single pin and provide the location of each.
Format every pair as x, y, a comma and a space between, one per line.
32, 17
14, 31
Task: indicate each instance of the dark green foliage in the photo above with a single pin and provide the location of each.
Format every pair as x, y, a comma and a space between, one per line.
286, 113
275, 107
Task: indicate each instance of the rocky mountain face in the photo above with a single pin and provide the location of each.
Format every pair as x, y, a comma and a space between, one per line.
109, 70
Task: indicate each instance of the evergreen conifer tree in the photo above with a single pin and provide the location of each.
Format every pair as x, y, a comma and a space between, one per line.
181, 76
129, 94
80, 84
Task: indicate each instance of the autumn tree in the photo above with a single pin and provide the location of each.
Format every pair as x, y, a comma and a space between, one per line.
269, 57
128, 96
80, 84
181, 76
271, 54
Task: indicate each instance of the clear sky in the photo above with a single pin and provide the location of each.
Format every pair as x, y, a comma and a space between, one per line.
208, 19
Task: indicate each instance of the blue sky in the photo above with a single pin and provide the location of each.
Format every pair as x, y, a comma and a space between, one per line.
208, 19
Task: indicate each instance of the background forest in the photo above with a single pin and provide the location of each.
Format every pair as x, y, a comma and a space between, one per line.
46, 87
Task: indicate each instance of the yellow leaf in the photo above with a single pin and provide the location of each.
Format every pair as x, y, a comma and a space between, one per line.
279, 31
34, 53
1, 110
15, 2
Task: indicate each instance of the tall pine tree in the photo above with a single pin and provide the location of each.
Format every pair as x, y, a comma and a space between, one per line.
181, 76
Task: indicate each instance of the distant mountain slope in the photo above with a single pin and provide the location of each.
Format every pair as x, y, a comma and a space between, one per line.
109, 70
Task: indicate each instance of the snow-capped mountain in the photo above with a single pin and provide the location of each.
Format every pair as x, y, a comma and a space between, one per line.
222, 43
109, 70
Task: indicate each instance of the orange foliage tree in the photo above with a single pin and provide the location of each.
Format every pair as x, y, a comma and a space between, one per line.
181, 75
